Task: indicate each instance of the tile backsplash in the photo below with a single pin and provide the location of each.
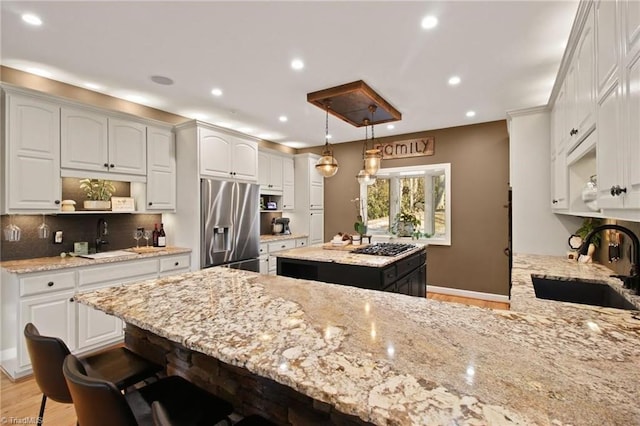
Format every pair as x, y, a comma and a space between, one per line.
75, 228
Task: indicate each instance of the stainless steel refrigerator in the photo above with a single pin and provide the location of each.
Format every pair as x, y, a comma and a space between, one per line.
230, 224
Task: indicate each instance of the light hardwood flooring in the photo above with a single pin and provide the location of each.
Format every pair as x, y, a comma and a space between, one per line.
468, 301
20, 404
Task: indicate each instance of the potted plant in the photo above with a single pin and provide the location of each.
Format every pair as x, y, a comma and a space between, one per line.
406, 223
98, 192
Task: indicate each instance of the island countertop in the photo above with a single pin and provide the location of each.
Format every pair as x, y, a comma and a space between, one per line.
393, 359
317, 253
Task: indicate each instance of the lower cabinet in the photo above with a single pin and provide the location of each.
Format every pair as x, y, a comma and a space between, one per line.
268, 259
46, 300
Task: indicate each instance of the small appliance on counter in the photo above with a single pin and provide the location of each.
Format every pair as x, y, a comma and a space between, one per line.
280, 225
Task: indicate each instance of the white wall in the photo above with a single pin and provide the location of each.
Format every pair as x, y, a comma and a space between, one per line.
536, 230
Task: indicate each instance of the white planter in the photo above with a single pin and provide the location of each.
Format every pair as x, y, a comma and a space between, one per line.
97, 205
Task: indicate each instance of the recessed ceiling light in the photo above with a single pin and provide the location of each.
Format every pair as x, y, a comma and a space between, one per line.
160, 79
283, 118
216, 92
390, 127
470, 114
32, 19
92, 86
429, 22
297, 64
39, 71
455, 80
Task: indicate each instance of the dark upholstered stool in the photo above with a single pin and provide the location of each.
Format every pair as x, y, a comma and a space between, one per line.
99, 403
162, 418
119, 366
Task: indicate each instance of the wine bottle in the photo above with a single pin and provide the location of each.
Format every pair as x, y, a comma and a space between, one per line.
156, 235
162, 237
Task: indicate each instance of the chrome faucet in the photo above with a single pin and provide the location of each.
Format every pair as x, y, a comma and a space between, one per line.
103, 231
632, 281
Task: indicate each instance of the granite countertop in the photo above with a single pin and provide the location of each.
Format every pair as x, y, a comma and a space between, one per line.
280, 237
317, 253
398, 360
56, 262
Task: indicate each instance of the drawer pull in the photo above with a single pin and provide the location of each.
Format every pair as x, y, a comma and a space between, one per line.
71, 300
50, 283
283, 246
176, 264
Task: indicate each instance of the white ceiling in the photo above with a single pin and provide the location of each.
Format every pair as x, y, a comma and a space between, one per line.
507, 54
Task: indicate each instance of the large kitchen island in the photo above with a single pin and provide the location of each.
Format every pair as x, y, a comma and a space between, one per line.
303, 351
392, 267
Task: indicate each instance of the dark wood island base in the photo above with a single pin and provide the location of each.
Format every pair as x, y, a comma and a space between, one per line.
249, 393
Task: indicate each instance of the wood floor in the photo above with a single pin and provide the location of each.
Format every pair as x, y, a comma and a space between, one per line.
20, 401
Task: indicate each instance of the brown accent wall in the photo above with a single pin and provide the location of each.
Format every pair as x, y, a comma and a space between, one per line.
479, 157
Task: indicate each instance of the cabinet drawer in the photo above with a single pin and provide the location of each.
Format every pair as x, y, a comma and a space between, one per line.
47, 283
389, 275
118, 272
174, 263
301, 242
281, 245
409, 264
264, 248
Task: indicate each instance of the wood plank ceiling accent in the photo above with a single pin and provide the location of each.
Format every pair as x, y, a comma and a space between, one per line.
350, 102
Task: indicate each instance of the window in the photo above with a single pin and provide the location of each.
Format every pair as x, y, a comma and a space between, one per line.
423, 191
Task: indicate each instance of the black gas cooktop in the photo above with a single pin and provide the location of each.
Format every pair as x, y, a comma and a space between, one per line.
384, 249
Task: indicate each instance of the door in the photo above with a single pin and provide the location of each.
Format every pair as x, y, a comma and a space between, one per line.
215, 154
84, 140
127, 147
316, 227
53, 315
33, 157
161, 165
244, 157
95, 328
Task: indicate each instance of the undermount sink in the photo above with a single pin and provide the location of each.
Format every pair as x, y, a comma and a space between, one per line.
584, 292
107, 254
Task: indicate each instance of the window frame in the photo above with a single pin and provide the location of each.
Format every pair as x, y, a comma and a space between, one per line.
406, 171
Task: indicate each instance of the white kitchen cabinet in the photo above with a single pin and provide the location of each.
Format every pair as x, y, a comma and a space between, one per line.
53, 314
227, 156
606, 44
263, 259
172, 265
308, 217
630, 12
94, 142
559, 185
288, 184
276, 247
31, 160
631, 136
96, 328
161, 169
270, 172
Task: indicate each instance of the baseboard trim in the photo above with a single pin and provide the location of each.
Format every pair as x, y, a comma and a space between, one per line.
491, 297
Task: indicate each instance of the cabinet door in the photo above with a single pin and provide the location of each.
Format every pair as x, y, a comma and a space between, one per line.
53, 315
560, 182
161, 165
608, 150
263, 265
215, 154
33, 155
276, 176
585, 80
95, 328
632, 126
315, 178
316, 227
127, 147
288, 184
316, 196
263, 170
244, 157
607, 52
84, 140
631, 14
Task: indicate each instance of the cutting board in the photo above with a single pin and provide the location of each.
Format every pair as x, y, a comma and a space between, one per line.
347, 247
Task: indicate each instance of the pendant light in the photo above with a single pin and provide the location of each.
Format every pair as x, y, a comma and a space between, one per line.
327, 165
373, 156
363, 176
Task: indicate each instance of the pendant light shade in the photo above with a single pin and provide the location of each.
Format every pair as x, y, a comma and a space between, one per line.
365, 178
372, 157
327, 165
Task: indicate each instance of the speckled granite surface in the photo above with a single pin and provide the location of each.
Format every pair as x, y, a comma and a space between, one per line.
279, 237
318, 254
399, 360
56, 262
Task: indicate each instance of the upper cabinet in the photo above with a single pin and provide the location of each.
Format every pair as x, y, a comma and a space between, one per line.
93, 142
31, 153
288, 184
161, 169
270, 172
227, 156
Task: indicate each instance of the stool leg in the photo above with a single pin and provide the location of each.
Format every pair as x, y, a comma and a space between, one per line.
42, 404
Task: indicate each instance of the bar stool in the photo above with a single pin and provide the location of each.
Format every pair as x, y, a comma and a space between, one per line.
99, 403
119, 365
